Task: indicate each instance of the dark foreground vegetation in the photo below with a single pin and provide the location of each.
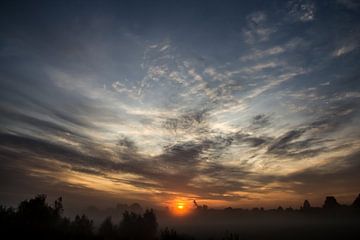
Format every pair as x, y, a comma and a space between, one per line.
36, 219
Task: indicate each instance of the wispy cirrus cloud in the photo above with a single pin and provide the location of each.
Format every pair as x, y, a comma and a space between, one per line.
158, 103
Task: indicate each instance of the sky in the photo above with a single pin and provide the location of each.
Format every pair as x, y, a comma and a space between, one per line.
229, 103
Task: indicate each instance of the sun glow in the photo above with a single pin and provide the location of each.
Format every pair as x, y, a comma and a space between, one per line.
180, 208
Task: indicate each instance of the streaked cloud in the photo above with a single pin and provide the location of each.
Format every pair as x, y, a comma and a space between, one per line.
344, 50
157, 103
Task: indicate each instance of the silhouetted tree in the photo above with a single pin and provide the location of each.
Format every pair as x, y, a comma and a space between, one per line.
330, 203
171, 234
128, 225
82, 226
150, 224
289, 209
37, 211
200, 208
231, 236
255, 209
58, 207
168, 234
107, 230
136, 226
228, 209
7, 219
306, 206
356, 202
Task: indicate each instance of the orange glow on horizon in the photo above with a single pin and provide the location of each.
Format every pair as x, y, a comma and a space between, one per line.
180, 208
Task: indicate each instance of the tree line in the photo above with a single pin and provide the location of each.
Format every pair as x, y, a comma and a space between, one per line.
36, 219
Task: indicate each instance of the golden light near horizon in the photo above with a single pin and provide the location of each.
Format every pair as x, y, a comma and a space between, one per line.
180, 208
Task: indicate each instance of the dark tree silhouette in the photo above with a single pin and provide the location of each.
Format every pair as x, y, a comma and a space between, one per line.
107, 230
82, 226
330, 203
168, 234
150, 224
171, 234
306, 206
136, 226
231, 236
37, 212
356, 203
199, 207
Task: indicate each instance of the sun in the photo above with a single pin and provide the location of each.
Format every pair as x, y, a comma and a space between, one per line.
180, 208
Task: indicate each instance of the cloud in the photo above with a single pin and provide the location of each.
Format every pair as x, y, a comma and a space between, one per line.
350, 4
120, 87
125, 144
325, 84
313, 138
190, 121
284, 141
261, 120
256, 141
301, 10
217, 109
39, 148
46, 126
257, 29
344, 50
168, 171
258, 54
335, 175
273, 51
